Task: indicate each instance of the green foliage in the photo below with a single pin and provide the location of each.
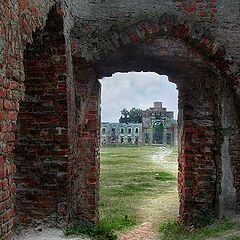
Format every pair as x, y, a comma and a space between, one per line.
117, 220
132, 116
172, 230
164, 176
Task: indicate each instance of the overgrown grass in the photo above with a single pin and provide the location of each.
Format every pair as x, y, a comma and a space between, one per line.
98, 233
233, 238
173, 230
128, 175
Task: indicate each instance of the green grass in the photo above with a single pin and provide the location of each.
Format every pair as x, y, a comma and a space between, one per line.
98, 233
173, 230
128, 175
234, 238
128, 179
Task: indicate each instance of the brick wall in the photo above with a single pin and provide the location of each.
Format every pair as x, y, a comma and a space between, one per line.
230, 152
197, 177
17, 22
42, 146
84, 162
88, 195
10, 94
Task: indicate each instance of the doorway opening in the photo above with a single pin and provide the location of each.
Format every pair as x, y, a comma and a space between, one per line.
138, 176
158, 132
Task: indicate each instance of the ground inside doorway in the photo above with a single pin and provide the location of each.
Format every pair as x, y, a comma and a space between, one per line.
138, 188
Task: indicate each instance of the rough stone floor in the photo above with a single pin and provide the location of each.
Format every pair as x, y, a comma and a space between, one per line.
45, 234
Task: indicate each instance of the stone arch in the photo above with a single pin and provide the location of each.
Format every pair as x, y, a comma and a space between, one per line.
199, 38
167, 26
203, 114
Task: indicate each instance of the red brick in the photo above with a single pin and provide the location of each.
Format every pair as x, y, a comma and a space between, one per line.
2, 115
11, 169
4, 195
4, 184
1, 104
12, 115
2, 160
14, 85
2, 207
8, 104
3, 92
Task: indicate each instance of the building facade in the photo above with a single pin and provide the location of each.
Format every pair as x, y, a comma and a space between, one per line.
121, 133
158, 127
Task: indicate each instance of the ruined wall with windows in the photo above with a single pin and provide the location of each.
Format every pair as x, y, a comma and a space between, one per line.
158, 127
121, 133
195, 43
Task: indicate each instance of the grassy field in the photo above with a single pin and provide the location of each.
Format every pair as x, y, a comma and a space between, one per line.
132, 180
139, 185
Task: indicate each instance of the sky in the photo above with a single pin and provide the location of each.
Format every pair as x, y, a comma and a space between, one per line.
139, 90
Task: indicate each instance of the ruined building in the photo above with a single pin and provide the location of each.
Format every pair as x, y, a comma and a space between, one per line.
158, 127
121, 133
52, 54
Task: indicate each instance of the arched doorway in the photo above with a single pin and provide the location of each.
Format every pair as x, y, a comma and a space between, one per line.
158, 129
170, 52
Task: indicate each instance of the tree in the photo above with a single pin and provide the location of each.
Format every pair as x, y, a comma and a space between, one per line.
132, 116
125, 118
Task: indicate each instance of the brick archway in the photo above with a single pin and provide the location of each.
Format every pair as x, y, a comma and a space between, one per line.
199, 39
199, 66
196, 94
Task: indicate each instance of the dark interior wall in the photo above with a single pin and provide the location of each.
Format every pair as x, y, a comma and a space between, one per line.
42, 140
230, 153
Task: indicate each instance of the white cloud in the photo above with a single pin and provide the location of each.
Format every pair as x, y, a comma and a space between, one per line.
140, 90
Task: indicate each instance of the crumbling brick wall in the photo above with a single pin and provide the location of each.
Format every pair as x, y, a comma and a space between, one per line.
91, 37
18, 20
42, 146
197, 177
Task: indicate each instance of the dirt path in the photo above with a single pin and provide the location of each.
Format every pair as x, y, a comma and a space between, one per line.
162, 158
156, 209
142, 232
